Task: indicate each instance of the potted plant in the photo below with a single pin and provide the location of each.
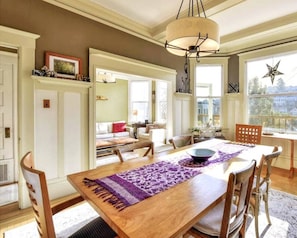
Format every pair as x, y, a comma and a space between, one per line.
195, 131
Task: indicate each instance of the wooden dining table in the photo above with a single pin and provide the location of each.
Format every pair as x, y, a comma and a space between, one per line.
172, 212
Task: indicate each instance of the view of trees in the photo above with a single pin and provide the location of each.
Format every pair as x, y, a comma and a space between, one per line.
274, 106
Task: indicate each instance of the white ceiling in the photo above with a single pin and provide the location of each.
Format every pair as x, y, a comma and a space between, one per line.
243, 23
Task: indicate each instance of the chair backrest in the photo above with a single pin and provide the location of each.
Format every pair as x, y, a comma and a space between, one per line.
248, 133
38, 193
145, 144
239, 184
182, 140
264, 168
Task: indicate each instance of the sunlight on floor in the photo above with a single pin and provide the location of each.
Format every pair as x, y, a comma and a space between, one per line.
65, 223
279, 228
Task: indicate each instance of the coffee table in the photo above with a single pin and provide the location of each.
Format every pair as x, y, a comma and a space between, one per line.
105, 146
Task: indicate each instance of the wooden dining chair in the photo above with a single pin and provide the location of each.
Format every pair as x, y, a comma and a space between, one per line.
43, 211
134, 150
250, 134
261, 186
181, 140
228, 218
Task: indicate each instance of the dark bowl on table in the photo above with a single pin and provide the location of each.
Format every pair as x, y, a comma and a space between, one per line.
201, 154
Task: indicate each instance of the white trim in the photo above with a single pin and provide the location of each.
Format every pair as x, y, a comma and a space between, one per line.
25, 43
124, 65
257, 54
223, 61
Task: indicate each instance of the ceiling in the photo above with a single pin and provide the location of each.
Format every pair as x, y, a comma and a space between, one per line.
244, 24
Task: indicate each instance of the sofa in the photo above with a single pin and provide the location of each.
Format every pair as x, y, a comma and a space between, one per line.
154, 132
107, 130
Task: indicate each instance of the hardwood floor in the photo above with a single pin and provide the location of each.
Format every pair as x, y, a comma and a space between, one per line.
11, 216
280, 181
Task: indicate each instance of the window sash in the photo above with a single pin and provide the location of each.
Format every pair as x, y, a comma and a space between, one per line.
276, 112
140, 103
208, 86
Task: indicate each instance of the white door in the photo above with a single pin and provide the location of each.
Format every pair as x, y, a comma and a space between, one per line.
8, 71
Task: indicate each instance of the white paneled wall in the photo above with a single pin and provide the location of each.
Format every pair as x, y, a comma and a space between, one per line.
72, 133
61, 131
182, 112
46, 133
232, 115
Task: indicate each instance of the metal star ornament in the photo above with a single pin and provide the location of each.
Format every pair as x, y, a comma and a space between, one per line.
272, 72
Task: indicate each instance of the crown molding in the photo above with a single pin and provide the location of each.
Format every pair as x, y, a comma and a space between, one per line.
262, 34
102, 15
155, 34
268, 33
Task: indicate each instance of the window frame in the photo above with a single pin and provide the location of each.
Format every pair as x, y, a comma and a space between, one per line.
252, 55
278, 120
213, 61
156, 100
130, 110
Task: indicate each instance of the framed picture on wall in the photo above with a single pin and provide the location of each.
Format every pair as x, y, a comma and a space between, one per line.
65, 66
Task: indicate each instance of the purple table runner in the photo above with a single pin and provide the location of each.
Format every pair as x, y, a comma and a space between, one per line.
130, 187
225, 151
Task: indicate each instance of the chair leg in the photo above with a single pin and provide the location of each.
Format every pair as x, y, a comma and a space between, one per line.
256, 215
243, 229
265, 199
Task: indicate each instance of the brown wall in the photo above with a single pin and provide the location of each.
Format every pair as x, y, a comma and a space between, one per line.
233, 69
67, 33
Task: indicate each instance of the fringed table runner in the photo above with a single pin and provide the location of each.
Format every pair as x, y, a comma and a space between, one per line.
130, 187
225, 151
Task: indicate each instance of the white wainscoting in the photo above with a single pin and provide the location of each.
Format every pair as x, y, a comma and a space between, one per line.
46, 133
72, 133
182, 112
61, 131
232, 114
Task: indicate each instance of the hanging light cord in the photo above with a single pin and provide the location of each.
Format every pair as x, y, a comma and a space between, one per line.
191, 8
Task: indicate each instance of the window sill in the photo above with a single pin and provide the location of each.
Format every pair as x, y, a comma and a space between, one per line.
183, 94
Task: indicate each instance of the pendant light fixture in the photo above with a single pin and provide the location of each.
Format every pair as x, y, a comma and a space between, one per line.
194, 35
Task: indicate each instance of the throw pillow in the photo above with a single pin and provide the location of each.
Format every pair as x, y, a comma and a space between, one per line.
118, 127
102, 128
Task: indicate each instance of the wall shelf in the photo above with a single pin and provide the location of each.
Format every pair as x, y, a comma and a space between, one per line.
61, 81
101, 98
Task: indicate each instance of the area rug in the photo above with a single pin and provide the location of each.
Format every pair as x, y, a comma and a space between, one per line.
70, 219
283, 213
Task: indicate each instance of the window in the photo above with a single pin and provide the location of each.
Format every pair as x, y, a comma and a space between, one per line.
140, 99
161, 101
273, 103
208, 94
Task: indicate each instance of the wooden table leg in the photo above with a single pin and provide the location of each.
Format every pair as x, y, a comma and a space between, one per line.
291, 175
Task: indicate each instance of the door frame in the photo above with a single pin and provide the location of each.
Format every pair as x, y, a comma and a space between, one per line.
25, 44
120, 64
14, 125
